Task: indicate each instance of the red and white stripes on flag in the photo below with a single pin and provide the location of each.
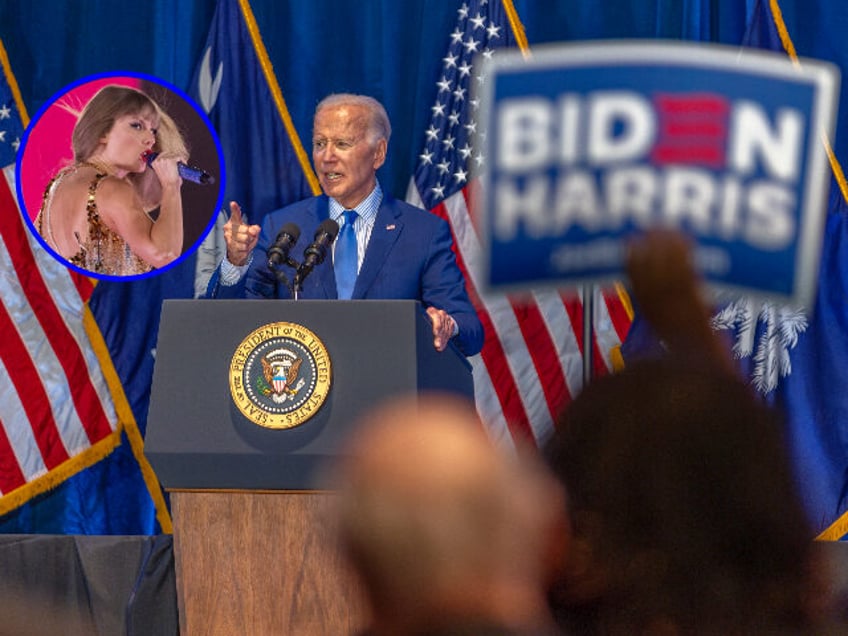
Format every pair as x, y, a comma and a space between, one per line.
532, 363
57, 414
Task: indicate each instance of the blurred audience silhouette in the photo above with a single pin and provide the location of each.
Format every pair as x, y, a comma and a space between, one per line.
685, 517
449, 535
682, 513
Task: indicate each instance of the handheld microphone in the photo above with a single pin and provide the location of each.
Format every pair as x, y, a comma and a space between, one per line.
188, 173
317, 251
279, 251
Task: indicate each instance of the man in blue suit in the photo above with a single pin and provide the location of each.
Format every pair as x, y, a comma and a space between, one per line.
400, 251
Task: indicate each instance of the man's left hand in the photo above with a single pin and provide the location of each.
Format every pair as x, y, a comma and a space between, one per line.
443, 327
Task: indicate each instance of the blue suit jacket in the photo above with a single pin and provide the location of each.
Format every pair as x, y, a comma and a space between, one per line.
409, 255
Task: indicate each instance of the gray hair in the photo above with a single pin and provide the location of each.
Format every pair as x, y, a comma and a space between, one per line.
378, 121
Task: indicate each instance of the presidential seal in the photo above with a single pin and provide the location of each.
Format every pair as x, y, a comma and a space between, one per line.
280, 375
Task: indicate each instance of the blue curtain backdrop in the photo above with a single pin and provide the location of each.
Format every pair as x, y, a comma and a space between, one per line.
385, 48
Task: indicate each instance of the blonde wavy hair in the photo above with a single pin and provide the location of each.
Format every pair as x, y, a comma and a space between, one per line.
111, 102
98, 117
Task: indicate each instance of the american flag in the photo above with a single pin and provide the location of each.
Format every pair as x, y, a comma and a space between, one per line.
531, 364
57, 415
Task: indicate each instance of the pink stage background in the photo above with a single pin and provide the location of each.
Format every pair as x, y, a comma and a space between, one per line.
48, 146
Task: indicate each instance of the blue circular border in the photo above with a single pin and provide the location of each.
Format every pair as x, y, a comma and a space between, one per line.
117, 74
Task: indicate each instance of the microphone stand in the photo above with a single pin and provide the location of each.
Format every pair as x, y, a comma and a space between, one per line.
300, 275
296, 292
314, 254
281, 275
297, 285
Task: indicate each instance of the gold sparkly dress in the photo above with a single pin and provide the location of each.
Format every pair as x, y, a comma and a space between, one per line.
102, 250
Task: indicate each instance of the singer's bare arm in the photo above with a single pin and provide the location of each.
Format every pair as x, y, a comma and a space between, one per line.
122, 210
240, 237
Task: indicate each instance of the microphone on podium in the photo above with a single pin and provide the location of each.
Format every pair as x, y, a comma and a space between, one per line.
286, 239
317, 251
188, 173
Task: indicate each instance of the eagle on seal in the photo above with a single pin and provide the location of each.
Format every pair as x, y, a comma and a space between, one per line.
281, 376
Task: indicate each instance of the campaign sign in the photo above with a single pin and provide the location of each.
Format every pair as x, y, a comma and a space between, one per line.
589, 144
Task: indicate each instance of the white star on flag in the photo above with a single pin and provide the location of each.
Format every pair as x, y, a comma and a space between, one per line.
531, 363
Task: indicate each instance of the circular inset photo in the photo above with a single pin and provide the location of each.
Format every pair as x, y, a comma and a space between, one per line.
120, 176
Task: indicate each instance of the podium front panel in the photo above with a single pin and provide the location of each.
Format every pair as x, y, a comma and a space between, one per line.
197, 438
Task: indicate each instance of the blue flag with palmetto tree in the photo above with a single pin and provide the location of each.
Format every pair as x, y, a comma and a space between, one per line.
796, 358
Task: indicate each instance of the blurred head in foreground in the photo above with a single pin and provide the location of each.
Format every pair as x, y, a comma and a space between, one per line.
686, 518
444, 530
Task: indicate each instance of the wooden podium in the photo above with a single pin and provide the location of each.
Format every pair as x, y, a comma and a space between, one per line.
255, 553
